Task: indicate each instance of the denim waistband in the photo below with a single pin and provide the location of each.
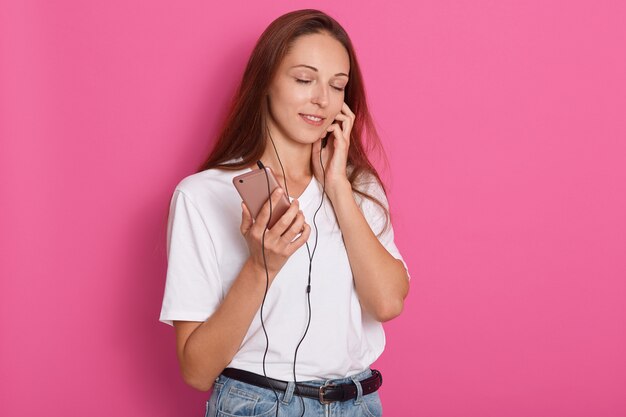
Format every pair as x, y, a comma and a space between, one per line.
230, 394
319, 382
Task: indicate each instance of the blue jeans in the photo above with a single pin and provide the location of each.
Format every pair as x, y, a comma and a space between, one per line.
235, 398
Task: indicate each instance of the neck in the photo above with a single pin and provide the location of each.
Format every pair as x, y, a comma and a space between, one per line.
295, 158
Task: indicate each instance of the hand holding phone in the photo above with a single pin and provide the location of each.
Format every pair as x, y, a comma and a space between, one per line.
253, 189
287, 231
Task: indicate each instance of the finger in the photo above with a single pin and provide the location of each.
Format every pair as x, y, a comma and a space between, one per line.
286, 219
246, 219
332, 129
264, 214
342, 116
347, 124
347, 110
300, 240
295, 228
339, 133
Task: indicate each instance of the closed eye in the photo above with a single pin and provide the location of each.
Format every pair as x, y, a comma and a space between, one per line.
308, 81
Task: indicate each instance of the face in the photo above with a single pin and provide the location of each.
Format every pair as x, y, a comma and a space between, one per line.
310, 82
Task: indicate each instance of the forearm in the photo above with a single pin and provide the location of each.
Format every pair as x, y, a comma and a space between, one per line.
216, 341
381, 280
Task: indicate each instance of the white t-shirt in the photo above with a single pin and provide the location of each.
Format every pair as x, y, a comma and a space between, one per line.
206, 252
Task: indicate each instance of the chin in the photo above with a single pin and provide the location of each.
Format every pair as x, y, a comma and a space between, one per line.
307, 137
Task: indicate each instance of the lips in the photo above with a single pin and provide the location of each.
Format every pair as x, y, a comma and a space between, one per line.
312, 119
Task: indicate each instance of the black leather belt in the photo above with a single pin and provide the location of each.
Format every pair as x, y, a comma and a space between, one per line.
326, 393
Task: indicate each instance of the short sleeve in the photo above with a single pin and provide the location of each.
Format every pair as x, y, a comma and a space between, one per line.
193, 288
376, 218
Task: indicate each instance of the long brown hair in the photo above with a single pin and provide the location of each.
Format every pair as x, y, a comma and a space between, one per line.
243, 132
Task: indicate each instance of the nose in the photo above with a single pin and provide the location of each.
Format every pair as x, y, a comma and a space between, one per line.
320, 95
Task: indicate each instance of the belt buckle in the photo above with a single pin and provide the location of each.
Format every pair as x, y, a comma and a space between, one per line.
323, 391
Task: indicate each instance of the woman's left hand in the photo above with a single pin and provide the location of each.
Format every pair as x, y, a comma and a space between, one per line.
336, 151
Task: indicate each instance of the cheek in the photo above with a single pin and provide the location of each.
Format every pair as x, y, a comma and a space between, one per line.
292, 97
336, 108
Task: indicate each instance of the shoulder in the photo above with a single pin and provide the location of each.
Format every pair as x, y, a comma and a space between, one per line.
368, 183
205, 200
193, 184
373, 203
203, 185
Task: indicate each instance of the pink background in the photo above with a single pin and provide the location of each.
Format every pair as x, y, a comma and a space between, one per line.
504, 123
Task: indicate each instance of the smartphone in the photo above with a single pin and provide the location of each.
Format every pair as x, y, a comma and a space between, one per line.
252, 187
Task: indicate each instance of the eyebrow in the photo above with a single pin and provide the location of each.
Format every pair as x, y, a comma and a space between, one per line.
315, 69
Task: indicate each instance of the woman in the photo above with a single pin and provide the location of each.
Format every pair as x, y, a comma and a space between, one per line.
270, 325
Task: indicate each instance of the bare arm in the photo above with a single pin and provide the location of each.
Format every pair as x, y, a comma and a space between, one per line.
381, 280
211, 345
205, 349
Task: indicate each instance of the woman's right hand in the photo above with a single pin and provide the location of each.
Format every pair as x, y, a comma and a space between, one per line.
279, 240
